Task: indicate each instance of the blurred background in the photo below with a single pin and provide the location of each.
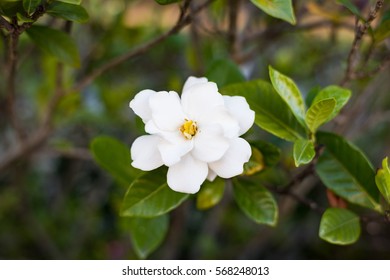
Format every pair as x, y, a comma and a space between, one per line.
57, 203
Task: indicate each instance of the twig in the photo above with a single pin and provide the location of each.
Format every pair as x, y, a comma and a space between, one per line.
232, 32
13, 40
183, 21
4, 23
361, 75
38, 138
360, 31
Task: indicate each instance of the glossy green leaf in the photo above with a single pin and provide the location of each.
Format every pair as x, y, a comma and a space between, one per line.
75, 2
271, 153
303, 151
23, 18
339, 226
311, 95
383, 30
351, 7
255, 163
56, 43
289, 92
319, 112
340, 95
272, 113
345, 170
30, 5
256, 202
224, 72
166, 2
68, 11
11, 8
210, 194
148, 233
149, 196
114, 157
382, 180
282, 9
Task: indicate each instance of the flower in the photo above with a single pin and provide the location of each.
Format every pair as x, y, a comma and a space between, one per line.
196, 136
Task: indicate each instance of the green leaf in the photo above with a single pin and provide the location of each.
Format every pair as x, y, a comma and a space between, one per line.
149, 196
255, 163
270, 152
56, 43
23, 18
11, 8
224, 72
166, 2
210, 194
311, 95
256, 202
289, 92
339, 226
383, 30
319, 113
352, 8
75, 2
114, 157
303, 152
282, 9
382, 180
345, 170
341, 95
148, 233
272, 113
68, 11
30, 5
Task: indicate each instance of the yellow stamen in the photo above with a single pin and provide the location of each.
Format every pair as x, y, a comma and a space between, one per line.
189, 129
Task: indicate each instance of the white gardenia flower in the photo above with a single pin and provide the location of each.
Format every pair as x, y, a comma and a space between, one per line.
196, 136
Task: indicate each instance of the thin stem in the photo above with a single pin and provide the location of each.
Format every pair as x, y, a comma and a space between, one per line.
13, 40
360, 31
183, 21
4, 23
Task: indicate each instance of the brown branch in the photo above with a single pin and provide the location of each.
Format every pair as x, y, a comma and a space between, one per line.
183, 21
4, 23
37, 139
13, 40
232, 31
361, 75
360, 31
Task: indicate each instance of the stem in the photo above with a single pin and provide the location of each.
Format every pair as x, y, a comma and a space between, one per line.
360, 31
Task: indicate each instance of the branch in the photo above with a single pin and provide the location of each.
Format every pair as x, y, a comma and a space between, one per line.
361, 75
360, 31
13, 40
182, 22
37, 139
4, 23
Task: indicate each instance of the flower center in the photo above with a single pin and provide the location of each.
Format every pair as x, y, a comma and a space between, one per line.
189, 129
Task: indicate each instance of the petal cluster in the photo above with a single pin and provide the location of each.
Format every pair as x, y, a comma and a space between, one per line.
196, 135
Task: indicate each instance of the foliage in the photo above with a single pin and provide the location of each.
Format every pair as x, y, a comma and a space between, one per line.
317, 86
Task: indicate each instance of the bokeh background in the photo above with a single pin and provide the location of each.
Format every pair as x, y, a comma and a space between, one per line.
57, 203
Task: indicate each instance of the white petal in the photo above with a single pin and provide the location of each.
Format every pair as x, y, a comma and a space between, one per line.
191, 81
211, 176
151, 128
167, 113
209, 143
201, 99
239, 108
222, 117
145, 154
232, 163
140, 104
188, 175
173, 147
